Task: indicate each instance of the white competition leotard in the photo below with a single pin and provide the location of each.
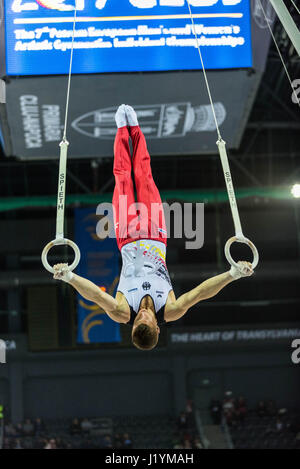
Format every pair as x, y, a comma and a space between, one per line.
144, 272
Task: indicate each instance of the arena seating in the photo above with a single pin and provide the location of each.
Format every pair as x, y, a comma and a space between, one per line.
148, 432
260, 433
155, 431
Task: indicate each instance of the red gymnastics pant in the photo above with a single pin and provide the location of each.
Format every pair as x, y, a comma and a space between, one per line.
144, 220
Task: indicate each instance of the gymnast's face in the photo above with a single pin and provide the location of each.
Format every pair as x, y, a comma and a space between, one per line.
146, 316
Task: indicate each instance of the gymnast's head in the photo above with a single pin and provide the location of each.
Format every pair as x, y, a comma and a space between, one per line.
145, 331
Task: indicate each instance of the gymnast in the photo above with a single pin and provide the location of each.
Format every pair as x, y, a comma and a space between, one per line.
145, 298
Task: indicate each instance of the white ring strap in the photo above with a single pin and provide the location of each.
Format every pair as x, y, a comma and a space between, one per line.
239, 237
61, 192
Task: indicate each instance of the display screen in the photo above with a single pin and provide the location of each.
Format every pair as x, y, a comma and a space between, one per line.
125, 35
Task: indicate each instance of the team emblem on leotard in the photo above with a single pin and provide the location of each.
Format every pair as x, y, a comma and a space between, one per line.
146, 286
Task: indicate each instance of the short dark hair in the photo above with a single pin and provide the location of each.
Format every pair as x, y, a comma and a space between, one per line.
145, 337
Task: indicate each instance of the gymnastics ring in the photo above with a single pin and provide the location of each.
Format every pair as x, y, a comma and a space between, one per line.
236, 239
59, 242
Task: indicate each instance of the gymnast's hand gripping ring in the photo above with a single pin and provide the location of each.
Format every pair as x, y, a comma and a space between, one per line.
236, 239
58, 242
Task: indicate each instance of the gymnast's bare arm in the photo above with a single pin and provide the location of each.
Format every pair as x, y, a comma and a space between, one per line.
113, 307
176, 309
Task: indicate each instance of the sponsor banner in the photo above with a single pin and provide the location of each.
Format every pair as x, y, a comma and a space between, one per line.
99, 264
173, 111
238, 335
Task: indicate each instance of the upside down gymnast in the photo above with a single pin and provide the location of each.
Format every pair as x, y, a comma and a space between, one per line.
145, 298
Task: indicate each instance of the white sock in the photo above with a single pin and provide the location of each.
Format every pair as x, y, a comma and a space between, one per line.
131, 116
120, 117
